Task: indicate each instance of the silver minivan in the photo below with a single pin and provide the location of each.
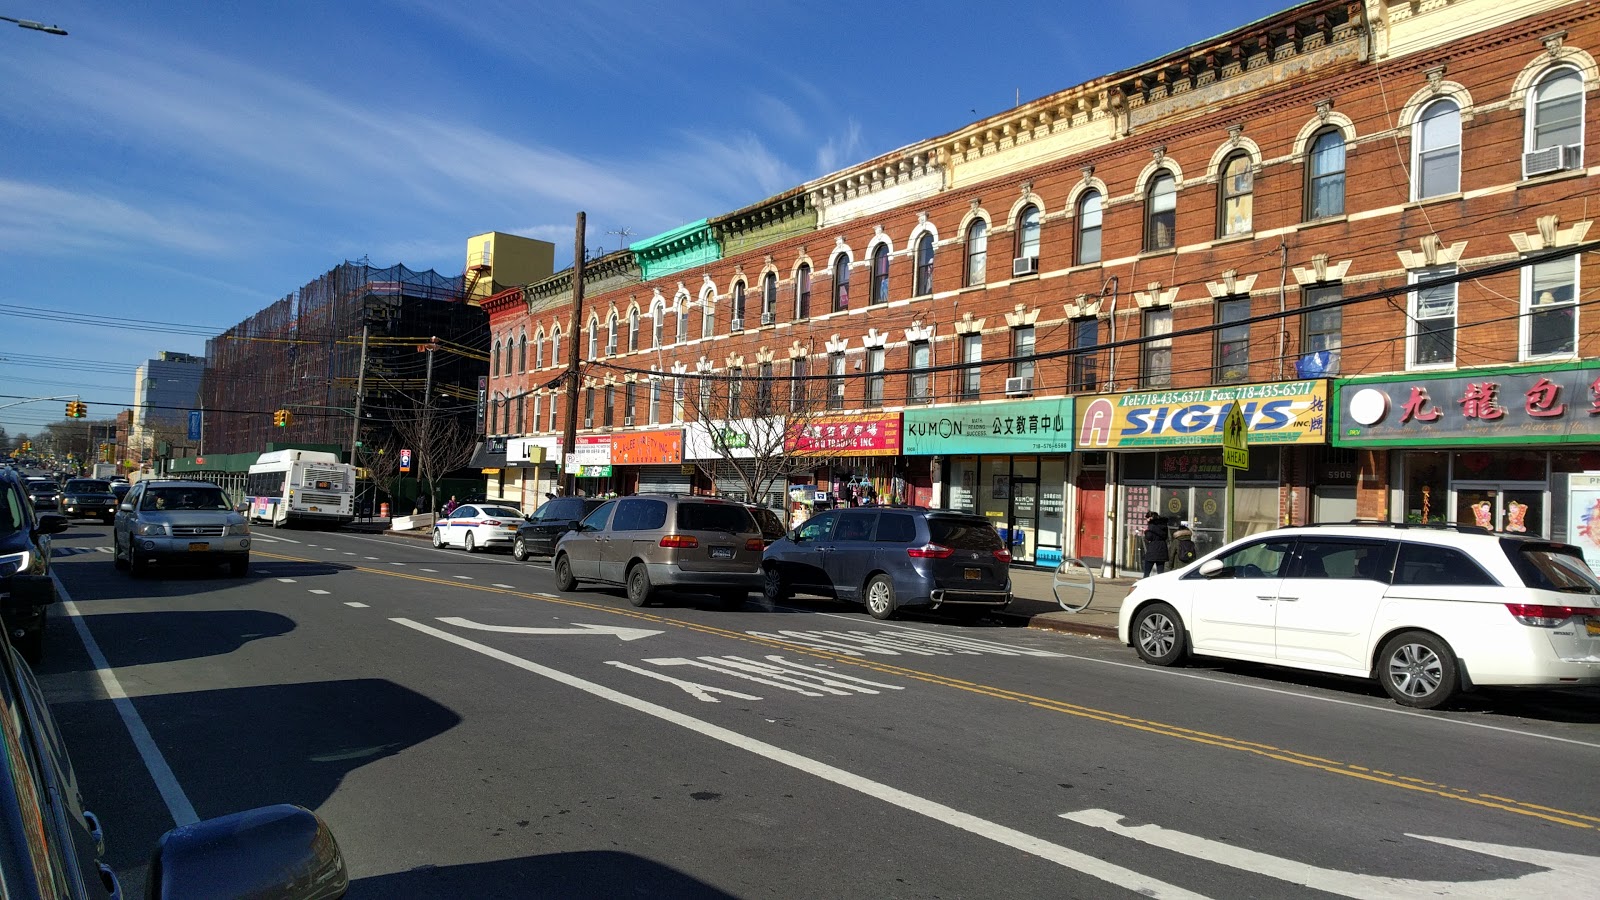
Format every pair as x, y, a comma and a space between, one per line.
651, 542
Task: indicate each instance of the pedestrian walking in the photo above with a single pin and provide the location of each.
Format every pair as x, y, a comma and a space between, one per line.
1155, 544
1182, 550
450, 507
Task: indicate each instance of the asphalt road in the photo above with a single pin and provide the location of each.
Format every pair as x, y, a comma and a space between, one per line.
467, 731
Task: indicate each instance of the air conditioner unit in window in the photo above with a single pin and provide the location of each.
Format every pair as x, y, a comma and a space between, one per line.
1024, 265
1022, 385
768, 318
611, 348
737, 325
588, 421
1552, 159
627, 421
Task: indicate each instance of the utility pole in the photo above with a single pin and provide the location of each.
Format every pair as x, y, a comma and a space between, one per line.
427, 415
569, 434
361, 388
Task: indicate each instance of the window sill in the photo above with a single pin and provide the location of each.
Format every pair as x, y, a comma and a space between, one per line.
1550, 358
1151, 254
1439, 198
1233, 239
1341, 219
1563, 175
1430, 367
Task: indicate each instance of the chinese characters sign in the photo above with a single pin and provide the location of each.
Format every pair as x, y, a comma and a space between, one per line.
590, 452
872, 435
1015, 426
1546, 404
1287, 412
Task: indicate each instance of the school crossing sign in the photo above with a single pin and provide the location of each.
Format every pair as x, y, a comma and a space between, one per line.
1235, 439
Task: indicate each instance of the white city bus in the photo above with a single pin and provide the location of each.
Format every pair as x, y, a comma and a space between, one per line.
301, 487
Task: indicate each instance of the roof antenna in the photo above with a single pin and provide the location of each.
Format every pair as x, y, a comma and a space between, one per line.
622, 234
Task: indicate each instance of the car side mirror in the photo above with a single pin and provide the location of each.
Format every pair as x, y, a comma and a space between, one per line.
241, 507
51, 523
285, 852
125, 507
1211, 568
794, 536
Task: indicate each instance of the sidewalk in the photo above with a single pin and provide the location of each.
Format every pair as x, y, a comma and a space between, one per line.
1034, 603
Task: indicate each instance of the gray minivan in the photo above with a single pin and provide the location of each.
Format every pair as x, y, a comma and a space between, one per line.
649, 542
890, 557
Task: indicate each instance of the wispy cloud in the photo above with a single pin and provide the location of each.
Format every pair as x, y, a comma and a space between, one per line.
34, 218
841, 149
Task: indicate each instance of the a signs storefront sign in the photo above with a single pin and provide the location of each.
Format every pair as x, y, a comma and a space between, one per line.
647, 448
531, 451
1503, 405
864, 435
1013, 426
734, 438
1282, 412
588, 454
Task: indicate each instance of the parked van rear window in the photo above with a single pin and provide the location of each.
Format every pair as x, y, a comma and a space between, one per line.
729, 517
1551, 567
1435, 565
896, 528
963, 533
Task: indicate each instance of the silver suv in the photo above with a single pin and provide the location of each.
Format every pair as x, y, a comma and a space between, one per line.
665, 541
179, 523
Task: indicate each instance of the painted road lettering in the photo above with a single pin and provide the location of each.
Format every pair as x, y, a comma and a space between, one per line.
897, 643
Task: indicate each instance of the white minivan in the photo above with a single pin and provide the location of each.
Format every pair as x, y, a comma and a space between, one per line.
1426, 610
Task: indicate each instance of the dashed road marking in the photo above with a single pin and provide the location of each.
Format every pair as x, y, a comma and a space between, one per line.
463, 577
355, 604
430, 570
287, 580
315, 591
507, 586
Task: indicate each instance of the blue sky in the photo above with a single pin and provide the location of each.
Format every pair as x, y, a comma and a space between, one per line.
169, 168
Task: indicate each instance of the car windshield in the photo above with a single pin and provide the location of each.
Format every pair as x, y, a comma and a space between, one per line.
1555, 568
169, 498
728, 517
503, 512
88, 486
963, 534
39, 486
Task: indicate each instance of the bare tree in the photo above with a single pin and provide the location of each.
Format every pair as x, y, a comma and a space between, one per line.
441, 442
754, 423
379, 455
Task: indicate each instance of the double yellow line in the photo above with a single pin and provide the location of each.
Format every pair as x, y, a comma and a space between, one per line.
1267, 751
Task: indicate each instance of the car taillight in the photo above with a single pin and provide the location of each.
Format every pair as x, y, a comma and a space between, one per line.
929, 551
680, 541
1541, 616
1002, 556
493, 522
756, 544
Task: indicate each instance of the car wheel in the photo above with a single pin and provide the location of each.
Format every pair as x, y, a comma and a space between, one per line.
469, 544
880, 597
519, 550
773, 588
639, 588
1158, 635
117, 559
1418, 670
733, 599
438, 538
238, 567
564, 580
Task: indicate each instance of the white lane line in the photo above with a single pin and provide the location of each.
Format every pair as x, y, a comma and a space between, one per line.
507, 586
288, 540
349, 553
1000, 834
287, 580
373, 558
463, 577
105, 550
428, 570
355, 604
396, 564
172, 794
315, 591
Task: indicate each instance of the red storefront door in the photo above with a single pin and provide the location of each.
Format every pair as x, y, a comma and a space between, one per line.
1090, 514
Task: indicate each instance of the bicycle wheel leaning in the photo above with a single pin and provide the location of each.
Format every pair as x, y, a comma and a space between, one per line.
1073, 585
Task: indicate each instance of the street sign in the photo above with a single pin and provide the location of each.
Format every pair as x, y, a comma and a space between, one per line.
1235, 439
405, 460
196, 422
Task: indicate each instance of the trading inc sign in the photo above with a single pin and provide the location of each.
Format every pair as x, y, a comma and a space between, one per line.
1285, 412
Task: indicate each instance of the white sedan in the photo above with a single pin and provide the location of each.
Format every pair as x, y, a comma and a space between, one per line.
472, 526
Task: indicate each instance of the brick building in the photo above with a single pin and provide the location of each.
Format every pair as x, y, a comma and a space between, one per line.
1056, 305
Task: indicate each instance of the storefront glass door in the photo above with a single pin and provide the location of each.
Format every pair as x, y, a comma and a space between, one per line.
1517, 509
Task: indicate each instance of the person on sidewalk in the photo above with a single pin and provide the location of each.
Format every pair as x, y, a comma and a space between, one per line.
1155, 544
1182, 550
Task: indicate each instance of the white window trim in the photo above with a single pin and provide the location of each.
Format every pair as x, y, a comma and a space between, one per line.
1416, 148
1530, 109
1525, 324
1412, 299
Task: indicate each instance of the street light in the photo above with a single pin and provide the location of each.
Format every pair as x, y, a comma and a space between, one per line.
36, 26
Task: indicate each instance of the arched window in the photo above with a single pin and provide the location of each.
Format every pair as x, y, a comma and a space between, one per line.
1235, 195
1555, 123
494, 360
977, 252
594, 338
708, 318
769, 298
1161, 212
658, 324
555, 346
878, 291
924, 285
681, 307
522, 353
738, 303
611, 334
1089, 213
841, 282
802, 292
538, 349
633, 329
1436, 150
1325, 175
1028, 233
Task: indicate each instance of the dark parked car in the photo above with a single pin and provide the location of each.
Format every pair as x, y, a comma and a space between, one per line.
88, 498
892, 557
44, 494
652, 542
120, 489
537, 535
26, 590
771, 523
53, 846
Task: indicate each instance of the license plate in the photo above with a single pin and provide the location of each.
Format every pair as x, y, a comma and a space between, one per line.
198, 545
974, 574
722, 553
316, 509
1593, 625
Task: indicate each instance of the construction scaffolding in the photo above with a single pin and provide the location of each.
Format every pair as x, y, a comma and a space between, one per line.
302, 354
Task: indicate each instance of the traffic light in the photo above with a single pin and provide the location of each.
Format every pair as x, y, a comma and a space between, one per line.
277, 418
77, 409
283, 418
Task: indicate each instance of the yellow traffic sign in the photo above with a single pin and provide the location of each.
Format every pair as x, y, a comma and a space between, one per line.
1235, 439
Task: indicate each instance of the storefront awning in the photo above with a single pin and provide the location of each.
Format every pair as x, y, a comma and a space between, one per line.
490, 454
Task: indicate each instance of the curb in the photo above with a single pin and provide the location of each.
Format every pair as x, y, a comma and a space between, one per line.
1070, 627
